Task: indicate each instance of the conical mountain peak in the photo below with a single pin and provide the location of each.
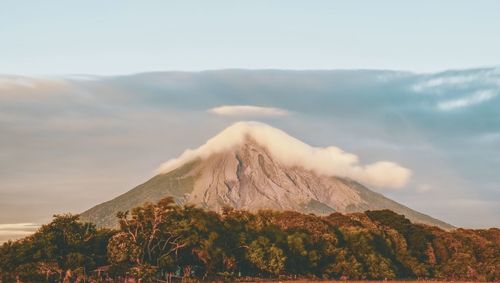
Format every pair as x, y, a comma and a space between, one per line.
254, 166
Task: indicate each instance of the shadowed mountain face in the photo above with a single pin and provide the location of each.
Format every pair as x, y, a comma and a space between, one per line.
247, 177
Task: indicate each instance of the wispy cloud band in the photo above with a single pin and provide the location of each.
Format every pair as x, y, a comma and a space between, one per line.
476, 98
247, 110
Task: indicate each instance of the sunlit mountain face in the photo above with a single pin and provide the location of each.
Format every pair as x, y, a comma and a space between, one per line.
71, 142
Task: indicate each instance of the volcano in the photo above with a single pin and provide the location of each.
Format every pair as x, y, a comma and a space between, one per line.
253, 166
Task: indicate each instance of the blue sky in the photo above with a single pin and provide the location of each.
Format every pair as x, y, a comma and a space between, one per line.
117, 37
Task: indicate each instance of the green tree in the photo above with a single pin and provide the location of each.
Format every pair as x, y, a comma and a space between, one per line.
266, 256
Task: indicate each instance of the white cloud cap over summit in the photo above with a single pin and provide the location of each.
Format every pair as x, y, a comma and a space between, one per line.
330, 161
247, 110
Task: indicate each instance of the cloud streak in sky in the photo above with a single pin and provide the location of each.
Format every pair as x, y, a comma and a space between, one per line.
19, 88
247, 110
475, 98
436, 83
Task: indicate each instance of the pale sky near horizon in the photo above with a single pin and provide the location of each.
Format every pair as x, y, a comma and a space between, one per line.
122, 37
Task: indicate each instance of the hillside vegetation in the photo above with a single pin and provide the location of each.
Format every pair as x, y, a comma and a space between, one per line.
166, 241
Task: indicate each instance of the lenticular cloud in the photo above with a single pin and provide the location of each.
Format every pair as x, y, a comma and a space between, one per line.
330, 161
248, 110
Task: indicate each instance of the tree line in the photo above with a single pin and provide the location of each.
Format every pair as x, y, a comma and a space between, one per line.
164, 241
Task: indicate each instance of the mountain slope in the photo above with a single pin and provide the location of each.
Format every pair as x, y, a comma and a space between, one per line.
247, 175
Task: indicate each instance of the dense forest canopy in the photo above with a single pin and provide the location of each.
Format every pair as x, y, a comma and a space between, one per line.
165, 241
